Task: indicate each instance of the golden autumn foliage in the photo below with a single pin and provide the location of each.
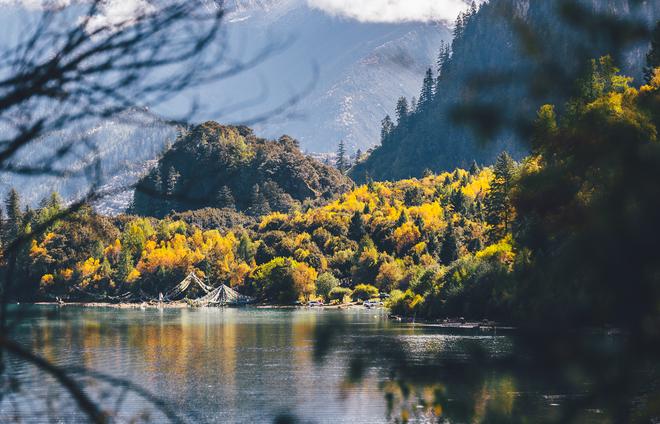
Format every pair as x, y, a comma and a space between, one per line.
406, 236
89, 267
399, 233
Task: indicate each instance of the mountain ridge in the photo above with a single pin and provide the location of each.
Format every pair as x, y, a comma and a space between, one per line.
488, 73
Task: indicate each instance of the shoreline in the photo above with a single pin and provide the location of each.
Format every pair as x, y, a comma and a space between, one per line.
179, 305
408, 321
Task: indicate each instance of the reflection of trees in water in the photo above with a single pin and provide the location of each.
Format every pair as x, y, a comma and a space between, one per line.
66, 70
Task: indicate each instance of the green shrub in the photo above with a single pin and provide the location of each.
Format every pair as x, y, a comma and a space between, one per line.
364, 292
406, 304
339, 294
325, 284
283, 281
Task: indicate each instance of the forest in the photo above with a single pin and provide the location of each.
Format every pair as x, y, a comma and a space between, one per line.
513, 241
505, 60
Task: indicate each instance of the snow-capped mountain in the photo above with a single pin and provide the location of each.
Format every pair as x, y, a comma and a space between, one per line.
348, 74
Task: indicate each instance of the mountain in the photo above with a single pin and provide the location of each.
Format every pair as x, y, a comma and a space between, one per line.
124, 148
216, 166
507, 59
348, 73
362, 69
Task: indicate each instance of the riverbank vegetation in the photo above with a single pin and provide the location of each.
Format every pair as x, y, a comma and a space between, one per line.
480, 243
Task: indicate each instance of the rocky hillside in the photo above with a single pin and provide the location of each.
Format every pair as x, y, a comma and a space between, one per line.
506, 59
218, 166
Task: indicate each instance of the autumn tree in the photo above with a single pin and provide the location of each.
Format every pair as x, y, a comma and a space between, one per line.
246, 248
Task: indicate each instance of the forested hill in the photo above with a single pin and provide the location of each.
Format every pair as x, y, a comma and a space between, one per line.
219, 166
509, 74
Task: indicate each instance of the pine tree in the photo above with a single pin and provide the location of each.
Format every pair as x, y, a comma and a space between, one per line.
225, 199
478, 210
171, 185
356, 230
159, 203
342, 160
172, 181
653, 56
458, 201
258, 203
474, 168
402, 112
499, 211
475, 245
29, 216
441, 60
444, 59
386, 129
14, 215
2, 230
403, 218
358, 156
459, 27
419, 222
433, 244
54, 201
442, 68
426, 94
473, 9
449, 249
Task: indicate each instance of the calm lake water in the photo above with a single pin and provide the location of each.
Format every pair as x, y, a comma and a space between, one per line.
235, 365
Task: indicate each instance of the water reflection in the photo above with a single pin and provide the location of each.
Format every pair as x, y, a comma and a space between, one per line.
250, 365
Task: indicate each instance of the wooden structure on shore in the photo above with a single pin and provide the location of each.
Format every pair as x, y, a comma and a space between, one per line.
213, 296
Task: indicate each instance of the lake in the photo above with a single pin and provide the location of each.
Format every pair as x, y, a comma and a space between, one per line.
248, 365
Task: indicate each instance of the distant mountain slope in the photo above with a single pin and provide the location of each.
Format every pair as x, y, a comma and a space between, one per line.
124, 147
489, 69
229, 167
362, 69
